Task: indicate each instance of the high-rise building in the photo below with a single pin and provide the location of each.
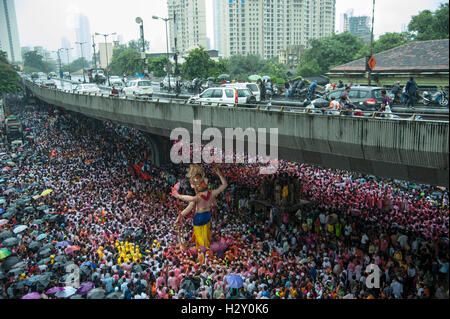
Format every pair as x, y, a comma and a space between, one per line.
105, 51
360, 27
9, 34
83, 34
190, 28
345, 17
217, 18
266, 27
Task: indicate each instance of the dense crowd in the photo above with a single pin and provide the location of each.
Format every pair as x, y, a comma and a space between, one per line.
119, 228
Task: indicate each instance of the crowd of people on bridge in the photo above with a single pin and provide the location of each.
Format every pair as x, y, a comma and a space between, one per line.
119, 226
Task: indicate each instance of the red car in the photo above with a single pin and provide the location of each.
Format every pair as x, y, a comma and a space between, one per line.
49, 84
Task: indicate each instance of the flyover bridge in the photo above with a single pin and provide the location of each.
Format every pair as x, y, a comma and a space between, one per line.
399, 149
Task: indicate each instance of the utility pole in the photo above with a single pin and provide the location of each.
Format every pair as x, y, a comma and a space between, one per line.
95, 55
167, 44
82, 58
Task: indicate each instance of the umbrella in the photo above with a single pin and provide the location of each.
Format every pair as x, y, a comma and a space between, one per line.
4, 252
234, 281
266, 77
211, 78
44, 261
85, 287
64, 243
43, 207
29, 209
15, 272
137, 268
66, 292
54, 290
41, 236
97, 293
2, 200
57, 265
35, 245
2, 210
36, 197
32, 295
2, 275
223, 76
34, 233
76, 297
10, 262
254, 77
10, 242
19, 229
6, 234
71, 249
89, 264
9, 215
37, 222
46, 192
114, 295
32, 280
11, 163
3, 222
45, 252
20, 264
60, 258
6, 168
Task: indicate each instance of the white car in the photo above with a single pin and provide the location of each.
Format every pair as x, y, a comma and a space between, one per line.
139, 88
87, 88
251, 86
116, 82
225, 96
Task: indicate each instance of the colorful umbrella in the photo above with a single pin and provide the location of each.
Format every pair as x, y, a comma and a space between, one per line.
64, 243
46, 192
7, 168
19, 229
85, 287
33, 295
3, 222
71, 249
234, 281
254, 77
41, 236
54, 290
66, 292
4, 252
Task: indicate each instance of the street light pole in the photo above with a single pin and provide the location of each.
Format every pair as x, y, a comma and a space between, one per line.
95, 55
141, 24
167, 44
68, 60
82, 58
106, 50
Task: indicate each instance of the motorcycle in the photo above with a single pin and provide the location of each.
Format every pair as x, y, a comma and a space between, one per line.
440, 97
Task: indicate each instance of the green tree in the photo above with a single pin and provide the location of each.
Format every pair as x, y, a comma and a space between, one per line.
137, 45
157, 65
34, 60
3, 57
126, 61
241, 66
429, 25
76, 65
328, 52
9, 79
198, 64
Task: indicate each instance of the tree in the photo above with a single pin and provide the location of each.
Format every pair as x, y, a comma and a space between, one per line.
137, 45
126, 61
429, 25
76, 65
9, 79
158, 65
241, 66
3, 57
198, 64
328, 52
34, 60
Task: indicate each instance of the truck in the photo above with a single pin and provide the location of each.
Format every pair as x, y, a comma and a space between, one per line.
96, 76
14, 129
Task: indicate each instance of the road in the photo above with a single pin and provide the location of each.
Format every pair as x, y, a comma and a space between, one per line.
289, 105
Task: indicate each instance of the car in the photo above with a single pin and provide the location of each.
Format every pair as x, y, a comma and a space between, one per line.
165, 82
116, 82
66, 75
34, 76
87, 88
138, 88
49, 84
251, 86
225, 96
365, 98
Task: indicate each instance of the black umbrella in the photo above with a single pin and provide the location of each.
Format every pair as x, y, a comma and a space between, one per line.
10, 262
2, 275
6, 234
61, 258
42, 208
37, 221
53, 218
76, 297
137, 268
114, 295
223, 76
20, 284
128, 232
45, 252
34, 246
48, 245
211, 78
57, 265
10, 242
43, 261
97, 293
15, 272
29, 209
9, 215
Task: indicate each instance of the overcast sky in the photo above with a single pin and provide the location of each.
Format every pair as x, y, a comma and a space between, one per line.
45, 22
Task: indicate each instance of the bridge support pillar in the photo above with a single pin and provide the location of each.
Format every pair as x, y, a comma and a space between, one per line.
160, 151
